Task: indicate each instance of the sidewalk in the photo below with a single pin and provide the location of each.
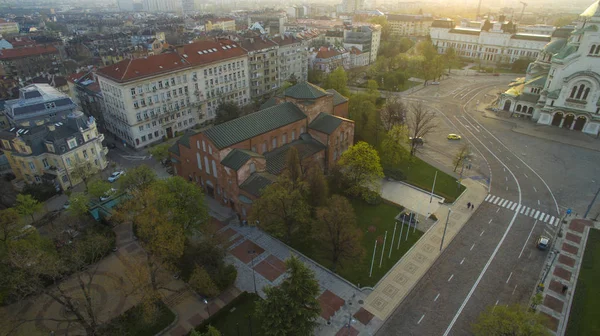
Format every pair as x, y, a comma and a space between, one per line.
397, 284
562, 271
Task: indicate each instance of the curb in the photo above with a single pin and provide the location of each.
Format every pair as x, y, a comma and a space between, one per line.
170, 326
423, 190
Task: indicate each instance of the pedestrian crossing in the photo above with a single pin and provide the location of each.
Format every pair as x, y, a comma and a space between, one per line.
523, 210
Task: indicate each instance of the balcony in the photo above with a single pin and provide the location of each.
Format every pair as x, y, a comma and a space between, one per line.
55, 170
575, 103
101, 137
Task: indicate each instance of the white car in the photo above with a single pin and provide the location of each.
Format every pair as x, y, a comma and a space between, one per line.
115, 176
108, 194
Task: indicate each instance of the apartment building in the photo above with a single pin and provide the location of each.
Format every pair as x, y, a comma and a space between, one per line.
85, 90
235, 160
149, 98
409, 25
263, 65
28, 62
364, 38
40, 152
293, 57
38, 103
273, 22
327, 59
224, 24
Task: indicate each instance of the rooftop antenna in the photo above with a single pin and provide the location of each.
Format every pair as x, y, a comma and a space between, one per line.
522, 11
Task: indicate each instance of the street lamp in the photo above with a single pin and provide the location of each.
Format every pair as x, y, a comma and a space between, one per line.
350, 321
207, 307
253, 253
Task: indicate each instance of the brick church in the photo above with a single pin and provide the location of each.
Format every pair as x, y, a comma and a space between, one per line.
235, 160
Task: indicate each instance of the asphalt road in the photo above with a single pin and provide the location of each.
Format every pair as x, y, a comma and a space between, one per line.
493, 260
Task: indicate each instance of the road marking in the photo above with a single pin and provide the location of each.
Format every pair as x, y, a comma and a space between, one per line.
450, 278
537, 213
527, 212
421, 319
552, 221
492, 199
506, 188
517, 167
491, 143
497, 199
487, 197
436, 297
471, 249
481, 233
523, 209
530, 232
508, 158
490, 222
462, 261
525, 175
504, 203
509, 204
506, 178
529, 256
507, 280
538, 202
497, 210
503, 169
534, 189
513, 293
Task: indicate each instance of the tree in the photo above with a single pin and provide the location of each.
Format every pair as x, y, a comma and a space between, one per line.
386, 29
393, 112
79, 205
337, 80
98, 188
393, 149
461, 155
318, 190
361, 168
521, 65
9, 226
372, 87
227, 111
363, 111
293, 167
510, 320
160, 152
137, 178
84, 171
421, 121
337, 231
281, 209
450, 57
315, 76
202, 283
28, 206
292, 307
564, 20
182, 202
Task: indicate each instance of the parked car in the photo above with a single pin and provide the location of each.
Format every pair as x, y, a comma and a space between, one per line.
453, 136
108, 194
115, 176
407, 218
543, 242
417, 140
435, 83
66, 205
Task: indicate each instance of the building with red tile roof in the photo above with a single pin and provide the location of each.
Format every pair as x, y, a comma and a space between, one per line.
28, 62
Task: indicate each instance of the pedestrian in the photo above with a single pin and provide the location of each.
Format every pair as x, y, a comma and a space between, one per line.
564, 289
472, 206
469, 205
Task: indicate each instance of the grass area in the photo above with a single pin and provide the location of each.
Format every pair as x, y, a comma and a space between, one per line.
420, 174
583, 319
381, 217
235, 318
131, 323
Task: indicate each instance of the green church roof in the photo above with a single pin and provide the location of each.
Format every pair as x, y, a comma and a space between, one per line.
305, 90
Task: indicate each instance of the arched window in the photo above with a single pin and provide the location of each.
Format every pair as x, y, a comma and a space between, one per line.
206, 166
199, 161
593, 49
530, 111
573, 92
518, 108
586, 93
580, 91
214, 167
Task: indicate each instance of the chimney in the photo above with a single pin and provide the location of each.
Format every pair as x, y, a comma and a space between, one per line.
180, 50
51, 127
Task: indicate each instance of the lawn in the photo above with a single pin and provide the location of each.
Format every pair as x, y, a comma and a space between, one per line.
235, 318
381, 219
420, 174
131, 323
583, 318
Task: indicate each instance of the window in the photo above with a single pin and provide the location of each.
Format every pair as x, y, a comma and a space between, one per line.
252, 167
302, 130
284, 139
85, 154
264, 146
254, 149
72, 143
273, 143
45, 163
206, 166
293, 135
65, 178
199, 160
203, 146
143, 138
68, 160
214, 167
31, 165
209, 149
150, 136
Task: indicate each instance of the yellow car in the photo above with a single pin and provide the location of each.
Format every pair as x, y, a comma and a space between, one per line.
453, 137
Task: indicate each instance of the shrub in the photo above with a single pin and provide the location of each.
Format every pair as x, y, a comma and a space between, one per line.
372, 197
394, 173
225, 277
433, 217
41, 192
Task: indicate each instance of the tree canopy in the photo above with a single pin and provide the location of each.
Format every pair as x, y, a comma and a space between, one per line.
512, 320
362, 169
227, 111
337, 80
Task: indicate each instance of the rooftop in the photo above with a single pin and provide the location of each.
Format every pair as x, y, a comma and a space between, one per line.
8, 54
238, 157
305, 90
325, 123
337, 97
306, 146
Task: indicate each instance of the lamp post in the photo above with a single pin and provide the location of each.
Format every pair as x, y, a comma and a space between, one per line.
253, 253
207, 307
350, 321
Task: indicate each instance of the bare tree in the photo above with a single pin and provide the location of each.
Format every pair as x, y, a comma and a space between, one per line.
421, 121
393, 113
461, 155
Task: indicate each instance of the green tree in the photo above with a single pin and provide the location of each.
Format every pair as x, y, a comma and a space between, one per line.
137, 178
98, 188
337, 232
337, 80
363, 111
362, 169
393, 112
183, 202
28, 206
227, 111
521, 65
79, 205
564, 20
160, 152
293, 167
512, 320
450, 57
318, 190
281, 209
393, 150
292, 307
315, 76
386, 29
84, 171
372, 87
9, 226
202, 283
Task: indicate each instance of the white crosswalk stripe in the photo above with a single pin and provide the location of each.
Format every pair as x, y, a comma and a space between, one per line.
520, 207
514, 206
523, 209
497, 199
552, 220
504, 203
527, 212
487, 197
509, 204
546, 219
537, 213
492, 199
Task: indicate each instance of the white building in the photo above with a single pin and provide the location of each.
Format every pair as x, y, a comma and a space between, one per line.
494, 42
409, 25
562, 87
293, 57
154, 97
539, 29
161, 5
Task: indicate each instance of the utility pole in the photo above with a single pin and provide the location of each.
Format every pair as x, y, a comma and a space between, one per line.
433, 187
591, 203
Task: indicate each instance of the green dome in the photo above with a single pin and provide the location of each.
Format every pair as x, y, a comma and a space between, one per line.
554, 46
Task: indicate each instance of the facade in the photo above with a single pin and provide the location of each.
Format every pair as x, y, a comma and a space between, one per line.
149, 98
358, 58
85, 90
7, 28
494, 42
327, 59
562, 86
49, 152
272, 22
538, 29
365, 39
28, 62
235, 160
263, 65
161, 5
293, 57
223, 24
38, 103
409, 25
125, 5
